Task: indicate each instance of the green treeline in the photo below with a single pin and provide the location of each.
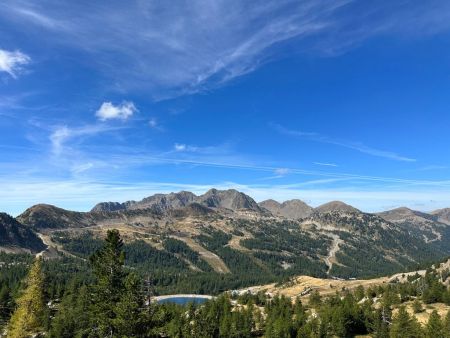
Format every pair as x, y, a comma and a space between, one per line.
107, 299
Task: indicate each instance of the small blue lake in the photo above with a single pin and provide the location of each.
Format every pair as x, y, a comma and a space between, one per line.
183, 300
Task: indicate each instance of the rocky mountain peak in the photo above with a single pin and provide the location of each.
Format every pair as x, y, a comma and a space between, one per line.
228, 199
108, 206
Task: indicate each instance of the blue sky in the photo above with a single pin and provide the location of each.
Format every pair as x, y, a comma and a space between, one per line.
317, 100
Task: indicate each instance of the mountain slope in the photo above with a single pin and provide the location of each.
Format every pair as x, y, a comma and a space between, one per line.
442, 215
417, 222
161, 202
335, 206
16, 235
49, 216
292, 209
273, 239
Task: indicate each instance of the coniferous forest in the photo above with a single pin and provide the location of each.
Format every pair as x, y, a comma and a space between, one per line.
105, 298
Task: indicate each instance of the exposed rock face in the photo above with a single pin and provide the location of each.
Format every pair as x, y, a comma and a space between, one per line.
227, 199
109, 206
15, 234
165, 202
292, 209
336, 206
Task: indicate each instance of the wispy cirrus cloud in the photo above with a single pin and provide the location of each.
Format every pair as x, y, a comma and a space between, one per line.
323, 164
433, 167
63, 134
163, 48
12, 62
357, 146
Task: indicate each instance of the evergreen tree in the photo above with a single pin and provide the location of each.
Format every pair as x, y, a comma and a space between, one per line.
128, 319
72, 318
108, 268
315, 299
5, 304
28, 318
434, 327
403, 326
446, 326
417, 306
380, 325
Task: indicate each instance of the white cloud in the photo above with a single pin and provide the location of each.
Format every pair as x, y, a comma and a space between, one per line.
326, 164
58, 137
153, 123
13, 62
179, 147
282, 171
80, 168
123, 111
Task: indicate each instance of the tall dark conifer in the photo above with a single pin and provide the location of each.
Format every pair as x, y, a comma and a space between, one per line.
109, 287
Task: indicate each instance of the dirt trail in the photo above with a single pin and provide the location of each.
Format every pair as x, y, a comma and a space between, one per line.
52, 248
235, 242
437, 238
302, 286
211, 258
331, 258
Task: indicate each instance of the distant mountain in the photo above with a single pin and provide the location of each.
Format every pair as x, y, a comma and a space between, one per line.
16, 235
292, 209
229, 229
427, 225
109, 206
403, 213
49, 216
227, 199
162, 202
336, 206
443, 215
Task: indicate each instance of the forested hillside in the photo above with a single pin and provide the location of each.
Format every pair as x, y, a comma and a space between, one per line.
105, 298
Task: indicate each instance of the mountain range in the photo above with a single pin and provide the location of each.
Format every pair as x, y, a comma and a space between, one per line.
291, 237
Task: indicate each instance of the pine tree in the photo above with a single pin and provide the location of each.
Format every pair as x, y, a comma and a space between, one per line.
417, 306
446, 325
128, 321
28, 318
72, 318
5, 304
403, 326
108, 268
434, 327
